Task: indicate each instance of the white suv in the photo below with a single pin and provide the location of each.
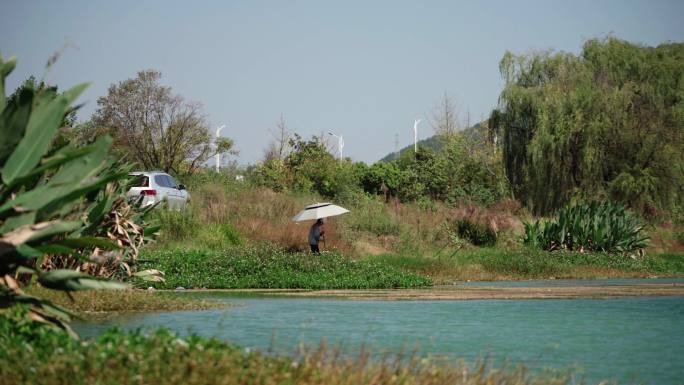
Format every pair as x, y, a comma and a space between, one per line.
157, 186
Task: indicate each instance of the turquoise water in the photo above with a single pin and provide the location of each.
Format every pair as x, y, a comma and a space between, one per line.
631, 340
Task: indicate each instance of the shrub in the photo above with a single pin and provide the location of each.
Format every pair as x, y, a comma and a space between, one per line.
477, 234
597, 226
61, 205
370, 215
679, 237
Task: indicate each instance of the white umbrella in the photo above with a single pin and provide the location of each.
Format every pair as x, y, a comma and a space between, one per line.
319, 210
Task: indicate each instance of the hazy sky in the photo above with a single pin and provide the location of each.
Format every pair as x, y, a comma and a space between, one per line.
365, 69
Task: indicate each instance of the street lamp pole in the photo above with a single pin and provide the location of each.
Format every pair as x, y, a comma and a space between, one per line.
218, 156
415, 135
340, 143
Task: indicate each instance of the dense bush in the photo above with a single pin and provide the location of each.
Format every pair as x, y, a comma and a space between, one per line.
679, 237
458, 171
597, 226
475, 233
264, 266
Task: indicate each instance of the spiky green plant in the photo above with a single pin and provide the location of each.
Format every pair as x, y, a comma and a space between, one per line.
596, 226
55, 201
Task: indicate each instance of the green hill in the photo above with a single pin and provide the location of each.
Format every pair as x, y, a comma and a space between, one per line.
475, 134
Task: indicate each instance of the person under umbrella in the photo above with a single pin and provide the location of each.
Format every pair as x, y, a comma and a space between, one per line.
315, 233
318, 211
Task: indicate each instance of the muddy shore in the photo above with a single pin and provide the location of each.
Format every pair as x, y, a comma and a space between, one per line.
476, 293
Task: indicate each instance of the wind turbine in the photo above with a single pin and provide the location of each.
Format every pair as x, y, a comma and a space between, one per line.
218, 156
340, 143
415, 135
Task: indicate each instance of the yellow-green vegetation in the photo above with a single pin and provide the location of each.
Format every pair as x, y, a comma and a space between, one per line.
497, 264
228, 221
118, 357
127, 300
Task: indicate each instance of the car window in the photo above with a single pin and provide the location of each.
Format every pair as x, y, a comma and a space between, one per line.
161, 181
172, 182
141, 181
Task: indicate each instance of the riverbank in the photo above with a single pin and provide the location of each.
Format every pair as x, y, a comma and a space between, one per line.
91, 302
624, 340
475, 292
227, 220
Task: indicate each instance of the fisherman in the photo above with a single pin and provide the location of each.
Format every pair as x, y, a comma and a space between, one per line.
315, 234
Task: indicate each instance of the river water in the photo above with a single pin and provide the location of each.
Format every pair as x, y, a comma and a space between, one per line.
631, 340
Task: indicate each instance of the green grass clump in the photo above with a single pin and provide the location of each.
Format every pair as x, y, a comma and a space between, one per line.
265, 266
532, 263
183, 227
33, 354
527, 263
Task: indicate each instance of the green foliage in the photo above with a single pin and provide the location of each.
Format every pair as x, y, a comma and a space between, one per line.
52, 201
475, 233
184, 227
679, 237
597, 226
379, 174
264, 266
371, 215
309, 167
461, 170
488, 263
532, 263
604, 124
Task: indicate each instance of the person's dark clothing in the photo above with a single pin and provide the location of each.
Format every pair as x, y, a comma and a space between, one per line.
315, 234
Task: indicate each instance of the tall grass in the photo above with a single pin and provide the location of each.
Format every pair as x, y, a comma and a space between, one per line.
258, 214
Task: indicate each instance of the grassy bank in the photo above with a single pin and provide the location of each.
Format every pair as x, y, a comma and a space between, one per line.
100, 301
265, 266
498, 264
228, 220
36, 355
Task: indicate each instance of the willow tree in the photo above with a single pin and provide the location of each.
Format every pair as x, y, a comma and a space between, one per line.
608, 123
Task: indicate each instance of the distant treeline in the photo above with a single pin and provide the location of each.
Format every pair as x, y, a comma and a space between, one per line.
607, 124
